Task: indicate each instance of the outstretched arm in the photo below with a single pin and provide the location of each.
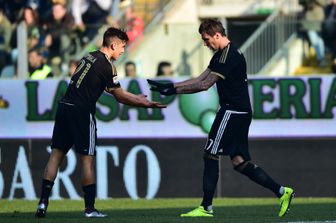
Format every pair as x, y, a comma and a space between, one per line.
201, 84
201, 77
128, 98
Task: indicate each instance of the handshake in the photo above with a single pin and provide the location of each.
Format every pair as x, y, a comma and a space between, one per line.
163, 88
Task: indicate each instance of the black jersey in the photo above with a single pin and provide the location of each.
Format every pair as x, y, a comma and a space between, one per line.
232, 88
94, 73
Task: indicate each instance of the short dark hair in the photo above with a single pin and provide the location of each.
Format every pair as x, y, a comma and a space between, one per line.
111, 33
129, 63
160, 67
37, 50
211, 27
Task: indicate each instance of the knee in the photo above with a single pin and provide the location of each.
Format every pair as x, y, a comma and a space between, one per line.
56, 158
237, 161
241, 165
54, 162
245, 167
211, 165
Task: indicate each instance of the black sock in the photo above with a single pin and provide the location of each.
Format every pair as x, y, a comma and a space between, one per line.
45, 191
89, 196
259, 176
210, 178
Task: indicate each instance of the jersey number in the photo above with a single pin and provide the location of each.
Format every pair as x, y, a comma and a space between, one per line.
85, 71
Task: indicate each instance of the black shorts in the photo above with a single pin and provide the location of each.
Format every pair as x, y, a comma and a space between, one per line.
74, 127
229, 134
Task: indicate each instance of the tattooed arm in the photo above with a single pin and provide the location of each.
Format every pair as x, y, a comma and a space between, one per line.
201, 83
197, 86
201, 77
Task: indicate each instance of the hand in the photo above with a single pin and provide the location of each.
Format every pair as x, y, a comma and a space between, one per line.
48, 40
163, 88
150, 104
81, 27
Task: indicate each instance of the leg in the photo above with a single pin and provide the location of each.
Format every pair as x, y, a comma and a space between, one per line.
61, 143
219, 141
50, 173
84, 132
88, 181
53, 164
259, 176
88, 170
256, 174
210, 178
89, 187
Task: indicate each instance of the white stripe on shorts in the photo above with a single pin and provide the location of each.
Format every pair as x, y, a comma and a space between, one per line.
220, 132
92, 136
222, 127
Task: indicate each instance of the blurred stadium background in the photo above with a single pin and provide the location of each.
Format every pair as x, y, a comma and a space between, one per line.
157, 154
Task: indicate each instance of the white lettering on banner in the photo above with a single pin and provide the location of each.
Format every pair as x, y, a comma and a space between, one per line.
154, 173
64, 176
102, 168
26, 184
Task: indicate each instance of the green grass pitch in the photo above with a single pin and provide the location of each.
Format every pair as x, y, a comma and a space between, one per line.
237, 210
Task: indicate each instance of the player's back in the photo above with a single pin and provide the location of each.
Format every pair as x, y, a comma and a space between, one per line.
89, 80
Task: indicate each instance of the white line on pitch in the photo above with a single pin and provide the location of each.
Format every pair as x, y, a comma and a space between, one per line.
311, 222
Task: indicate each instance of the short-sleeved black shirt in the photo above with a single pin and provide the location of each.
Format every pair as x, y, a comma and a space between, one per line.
94, 73
232, 88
